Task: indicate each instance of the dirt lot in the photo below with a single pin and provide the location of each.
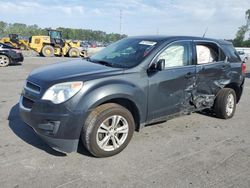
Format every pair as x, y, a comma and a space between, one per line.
190, 151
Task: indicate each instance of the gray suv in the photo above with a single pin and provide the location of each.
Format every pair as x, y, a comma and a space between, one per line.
136, 81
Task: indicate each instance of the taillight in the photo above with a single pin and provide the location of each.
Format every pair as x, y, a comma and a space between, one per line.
243, 68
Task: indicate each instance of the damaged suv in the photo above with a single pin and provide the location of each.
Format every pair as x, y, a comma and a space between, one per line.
131, 83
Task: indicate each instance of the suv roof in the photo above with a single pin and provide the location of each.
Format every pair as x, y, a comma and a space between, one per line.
166, 38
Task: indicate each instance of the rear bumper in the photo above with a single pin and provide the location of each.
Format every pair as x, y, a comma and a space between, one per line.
56, 125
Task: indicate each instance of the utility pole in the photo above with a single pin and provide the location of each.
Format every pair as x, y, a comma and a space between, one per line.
120, 21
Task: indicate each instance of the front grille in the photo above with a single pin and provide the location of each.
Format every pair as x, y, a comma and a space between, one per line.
27, 103
33, 87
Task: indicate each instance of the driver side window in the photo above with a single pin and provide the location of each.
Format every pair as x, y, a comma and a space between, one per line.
177, 54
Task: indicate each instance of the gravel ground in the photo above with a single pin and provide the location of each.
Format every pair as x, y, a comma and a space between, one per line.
190, 151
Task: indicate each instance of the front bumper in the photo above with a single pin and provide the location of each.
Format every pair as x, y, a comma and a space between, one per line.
16, 57
59, 127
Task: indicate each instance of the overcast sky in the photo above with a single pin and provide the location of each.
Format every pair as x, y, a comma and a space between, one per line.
139, 17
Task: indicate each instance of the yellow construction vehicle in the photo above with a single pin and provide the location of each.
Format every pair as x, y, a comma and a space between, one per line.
54, 45
16, 41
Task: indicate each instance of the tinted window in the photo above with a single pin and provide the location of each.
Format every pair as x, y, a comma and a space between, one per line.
177, 54
231, 53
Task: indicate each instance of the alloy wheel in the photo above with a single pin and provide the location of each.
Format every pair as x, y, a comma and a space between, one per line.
4, 61
112, 133
230, 104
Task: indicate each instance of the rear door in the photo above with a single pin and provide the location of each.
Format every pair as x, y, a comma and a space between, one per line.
212, 67
168, 88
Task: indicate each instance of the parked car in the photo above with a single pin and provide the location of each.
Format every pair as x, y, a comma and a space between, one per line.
131, 83
243, 56
9, 55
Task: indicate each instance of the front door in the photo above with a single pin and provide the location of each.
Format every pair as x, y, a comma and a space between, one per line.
168, 88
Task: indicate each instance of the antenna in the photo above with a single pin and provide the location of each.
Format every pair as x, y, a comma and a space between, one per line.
120, 21
205, 32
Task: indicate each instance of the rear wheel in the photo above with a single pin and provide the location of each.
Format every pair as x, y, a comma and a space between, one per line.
4, 61
48, 51
74, 52
108, 130
225, 103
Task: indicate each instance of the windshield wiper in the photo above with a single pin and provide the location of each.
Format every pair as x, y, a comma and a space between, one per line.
101, 62
108, 64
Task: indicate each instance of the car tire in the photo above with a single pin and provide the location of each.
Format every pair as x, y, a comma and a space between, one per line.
48, 51
4, 61
225, 103
74, 52
108, 130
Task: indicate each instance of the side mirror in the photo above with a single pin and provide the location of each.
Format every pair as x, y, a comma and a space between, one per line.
160, 65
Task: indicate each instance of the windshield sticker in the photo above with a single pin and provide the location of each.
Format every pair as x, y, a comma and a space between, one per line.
148, 43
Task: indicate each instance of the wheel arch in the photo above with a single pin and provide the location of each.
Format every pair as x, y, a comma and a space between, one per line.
129, 105
123, 100
237, 89
45, 43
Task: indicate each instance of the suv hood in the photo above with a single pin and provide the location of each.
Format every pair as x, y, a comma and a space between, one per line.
73, 70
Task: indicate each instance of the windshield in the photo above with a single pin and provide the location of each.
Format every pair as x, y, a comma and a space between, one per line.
125, 53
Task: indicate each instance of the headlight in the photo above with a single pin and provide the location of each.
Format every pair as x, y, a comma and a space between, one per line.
61, 92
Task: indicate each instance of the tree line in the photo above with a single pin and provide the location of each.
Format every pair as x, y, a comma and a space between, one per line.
240, 39
93, 35
67, 33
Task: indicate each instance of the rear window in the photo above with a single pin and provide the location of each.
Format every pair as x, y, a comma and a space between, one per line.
231, 53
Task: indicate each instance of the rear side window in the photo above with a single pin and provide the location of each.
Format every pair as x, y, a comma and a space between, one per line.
208, 53
231, 53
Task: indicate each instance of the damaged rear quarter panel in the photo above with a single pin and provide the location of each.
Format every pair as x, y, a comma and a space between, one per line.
212, 77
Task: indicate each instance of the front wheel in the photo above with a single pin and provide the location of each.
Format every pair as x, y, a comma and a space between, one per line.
108, 130
74, 52
4, 61
225, 103
48, 51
